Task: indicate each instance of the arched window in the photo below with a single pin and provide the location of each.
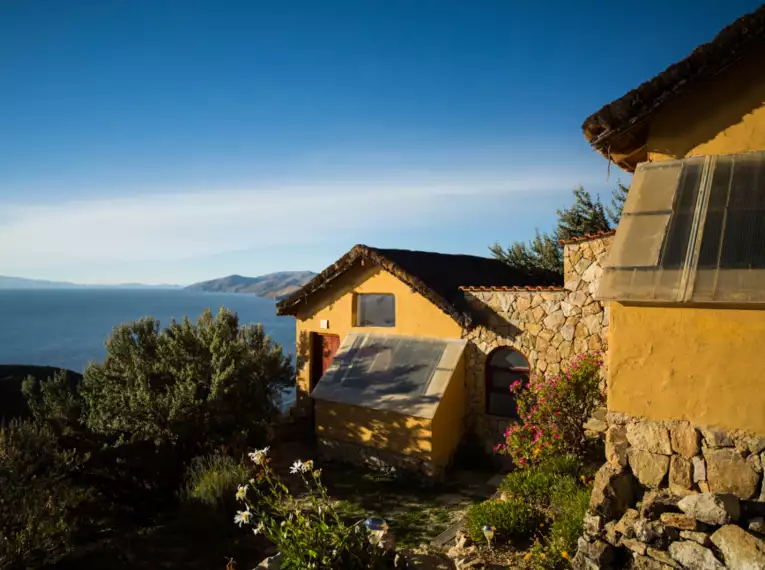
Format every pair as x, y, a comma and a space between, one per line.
503, 367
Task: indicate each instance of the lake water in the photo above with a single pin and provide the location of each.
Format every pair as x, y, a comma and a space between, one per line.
67, 327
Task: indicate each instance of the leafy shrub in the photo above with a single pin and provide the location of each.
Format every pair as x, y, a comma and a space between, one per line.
568, 506
55, 402
568, 464
213, 480
309, 532
514, 520
553, 410
36, 519
191, 385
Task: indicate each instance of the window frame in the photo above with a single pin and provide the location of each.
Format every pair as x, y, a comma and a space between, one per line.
489, 387
357, 312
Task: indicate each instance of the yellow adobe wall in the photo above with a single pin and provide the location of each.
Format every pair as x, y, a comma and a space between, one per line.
448, 421
724, 116
415, 315
374, 428
705, 365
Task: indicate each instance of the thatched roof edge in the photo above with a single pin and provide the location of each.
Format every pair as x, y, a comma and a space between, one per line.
289, 305
614, 129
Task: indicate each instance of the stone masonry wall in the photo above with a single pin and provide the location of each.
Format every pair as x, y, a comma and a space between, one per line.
548, 326
676, 495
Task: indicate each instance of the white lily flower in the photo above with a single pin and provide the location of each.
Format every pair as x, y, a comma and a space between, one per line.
243, 517
259, 455
297, 467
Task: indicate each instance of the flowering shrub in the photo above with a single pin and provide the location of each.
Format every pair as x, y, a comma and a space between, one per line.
308, 532
553, 410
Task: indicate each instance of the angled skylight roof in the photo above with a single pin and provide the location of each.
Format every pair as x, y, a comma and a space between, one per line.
404, 374
692, 230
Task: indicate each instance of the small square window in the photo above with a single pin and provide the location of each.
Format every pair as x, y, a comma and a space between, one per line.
375, 310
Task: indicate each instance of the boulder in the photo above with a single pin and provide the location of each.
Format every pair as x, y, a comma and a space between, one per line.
649, 436
679, 520
757, 524
694, 556
684, 439
616, 446
612, 492
728, 472
711, 508
592, 524
649, 468
740, 549
680, 474
610, 535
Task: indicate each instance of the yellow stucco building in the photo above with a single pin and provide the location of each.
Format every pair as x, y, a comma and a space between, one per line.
689, 281
381, 352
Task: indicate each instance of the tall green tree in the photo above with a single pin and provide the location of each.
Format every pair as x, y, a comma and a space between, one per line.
587, 215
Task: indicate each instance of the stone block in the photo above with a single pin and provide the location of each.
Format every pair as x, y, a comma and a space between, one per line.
662, 556
647, 563
634, 545
699, 469
694, 556
757, 524
610, 535
592, 524
739, 548
755, 463
714, 438
593, 323
728, 472
655, 503
649, 436
680, 474
699, 537
710, 508
684, 439
613, 492
626, 524
578, 298
679, 520
597, 551
649, 468
647, 530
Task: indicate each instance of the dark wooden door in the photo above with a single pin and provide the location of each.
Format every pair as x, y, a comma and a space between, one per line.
322, 352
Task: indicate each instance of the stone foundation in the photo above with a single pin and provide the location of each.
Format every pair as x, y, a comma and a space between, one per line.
676, 495
376, 459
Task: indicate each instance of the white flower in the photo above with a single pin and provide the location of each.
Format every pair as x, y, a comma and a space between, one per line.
297, 467
258, 529
243, 517
241, 492
259, 455
307, 466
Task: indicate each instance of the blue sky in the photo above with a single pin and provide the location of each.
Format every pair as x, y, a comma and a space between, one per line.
174, 141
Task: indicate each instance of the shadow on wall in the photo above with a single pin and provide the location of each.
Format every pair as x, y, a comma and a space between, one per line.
489, 318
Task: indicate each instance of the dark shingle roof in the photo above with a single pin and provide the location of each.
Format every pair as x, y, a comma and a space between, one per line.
619, 128
436, 276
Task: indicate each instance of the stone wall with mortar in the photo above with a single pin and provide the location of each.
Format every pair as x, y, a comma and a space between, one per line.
676, 495
548, 326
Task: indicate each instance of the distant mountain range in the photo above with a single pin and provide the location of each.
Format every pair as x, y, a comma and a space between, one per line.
24, 283
272, 286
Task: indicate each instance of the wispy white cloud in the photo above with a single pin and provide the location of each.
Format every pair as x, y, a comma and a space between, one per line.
173, 226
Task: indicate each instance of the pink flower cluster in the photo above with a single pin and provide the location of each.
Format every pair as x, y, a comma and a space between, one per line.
552, 411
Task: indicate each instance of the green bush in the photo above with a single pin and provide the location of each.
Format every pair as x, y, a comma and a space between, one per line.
37, 496
514, 520
538, 483
194, 386
213, 480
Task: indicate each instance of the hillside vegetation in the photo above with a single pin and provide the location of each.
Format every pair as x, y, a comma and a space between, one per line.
272, 286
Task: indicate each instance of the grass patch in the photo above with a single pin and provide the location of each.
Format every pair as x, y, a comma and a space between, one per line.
514, 520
